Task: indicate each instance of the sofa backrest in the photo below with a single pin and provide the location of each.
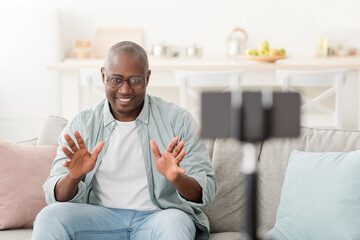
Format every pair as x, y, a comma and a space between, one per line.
227, 211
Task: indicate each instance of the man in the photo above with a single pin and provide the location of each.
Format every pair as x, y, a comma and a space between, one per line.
124, 190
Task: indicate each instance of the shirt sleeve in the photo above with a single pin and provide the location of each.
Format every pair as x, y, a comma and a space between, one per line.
208, 190
196, 161
58, 170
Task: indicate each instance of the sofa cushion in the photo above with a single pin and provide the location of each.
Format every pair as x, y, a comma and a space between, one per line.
274, 158
226, 213
50, 130
25, 234
228, 236
16, 234
24, 168
320, 198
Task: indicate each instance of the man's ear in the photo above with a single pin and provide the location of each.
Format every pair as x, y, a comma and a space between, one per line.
148, 77
103, 74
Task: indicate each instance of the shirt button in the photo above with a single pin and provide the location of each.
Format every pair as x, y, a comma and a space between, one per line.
146, 121
105, 139
113, 123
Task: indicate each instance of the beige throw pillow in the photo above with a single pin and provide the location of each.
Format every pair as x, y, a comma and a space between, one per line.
23, 170
50, 130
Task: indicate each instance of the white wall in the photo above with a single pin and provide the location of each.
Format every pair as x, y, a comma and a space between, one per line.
294, 25
28, 42
29, 38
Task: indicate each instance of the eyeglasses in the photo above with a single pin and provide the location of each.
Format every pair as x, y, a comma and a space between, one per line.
135, 82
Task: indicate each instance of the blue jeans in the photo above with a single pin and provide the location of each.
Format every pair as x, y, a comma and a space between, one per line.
80, 221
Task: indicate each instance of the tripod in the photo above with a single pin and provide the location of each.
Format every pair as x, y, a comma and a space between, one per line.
250, 117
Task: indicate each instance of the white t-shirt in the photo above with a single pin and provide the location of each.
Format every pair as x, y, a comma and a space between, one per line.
120, 180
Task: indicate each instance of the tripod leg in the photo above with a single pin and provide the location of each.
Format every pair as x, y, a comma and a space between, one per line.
249, 170
251, 214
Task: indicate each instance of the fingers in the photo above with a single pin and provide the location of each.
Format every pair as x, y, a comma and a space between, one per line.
79, 140
67, 152
172, 144
180, 157
97, 150
178, 148
70, 153
181, 170
155, 149
67, 163
70, 142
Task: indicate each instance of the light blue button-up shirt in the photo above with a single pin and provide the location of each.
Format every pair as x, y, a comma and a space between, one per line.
160, 121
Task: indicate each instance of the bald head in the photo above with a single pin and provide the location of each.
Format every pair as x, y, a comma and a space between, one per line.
126, 47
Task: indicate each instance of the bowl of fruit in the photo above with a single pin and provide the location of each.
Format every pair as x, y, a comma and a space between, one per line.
264, 53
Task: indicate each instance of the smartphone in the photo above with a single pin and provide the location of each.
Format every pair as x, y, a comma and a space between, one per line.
250, 116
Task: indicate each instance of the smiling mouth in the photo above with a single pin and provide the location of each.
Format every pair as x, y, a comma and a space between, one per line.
124, 99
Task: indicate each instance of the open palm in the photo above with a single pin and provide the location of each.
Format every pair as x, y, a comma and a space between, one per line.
168, 162
80, 161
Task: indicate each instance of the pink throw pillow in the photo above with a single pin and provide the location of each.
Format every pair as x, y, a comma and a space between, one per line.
23, 170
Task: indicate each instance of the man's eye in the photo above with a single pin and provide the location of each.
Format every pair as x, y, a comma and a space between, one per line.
116, 80
136, 80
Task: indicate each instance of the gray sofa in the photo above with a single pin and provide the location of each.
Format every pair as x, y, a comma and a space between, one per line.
226, 214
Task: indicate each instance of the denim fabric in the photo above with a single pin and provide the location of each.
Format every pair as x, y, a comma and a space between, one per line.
89, 222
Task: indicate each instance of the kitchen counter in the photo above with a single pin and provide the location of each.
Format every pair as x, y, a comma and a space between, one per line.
169, 64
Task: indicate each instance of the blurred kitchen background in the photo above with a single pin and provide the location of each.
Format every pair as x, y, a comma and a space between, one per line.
37, 38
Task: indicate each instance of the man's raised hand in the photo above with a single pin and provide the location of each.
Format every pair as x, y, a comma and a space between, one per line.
80, 161
168, 162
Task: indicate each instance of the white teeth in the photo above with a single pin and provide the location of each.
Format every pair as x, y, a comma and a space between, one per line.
124, 99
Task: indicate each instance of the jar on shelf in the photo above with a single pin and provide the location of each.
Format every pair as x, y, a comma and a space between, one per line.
82, 50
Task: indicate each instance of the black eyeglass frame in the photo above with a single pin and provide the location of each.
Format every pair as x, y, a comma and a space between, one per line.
122, 81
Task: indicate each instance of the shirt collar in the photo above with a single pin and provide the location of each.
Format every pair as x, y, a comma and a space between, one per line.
143, 116
108, 117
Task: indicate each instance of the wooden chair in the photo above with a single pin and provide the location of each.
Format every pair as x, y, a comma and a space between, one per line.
332, 80
188, 81
91, 79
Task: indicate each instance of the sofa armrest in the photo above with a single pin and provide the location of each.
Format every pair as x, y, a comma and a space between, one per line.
29, 142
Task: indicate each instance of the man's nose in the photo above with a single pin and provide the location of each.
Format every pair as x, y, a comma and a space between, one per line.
125, 88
